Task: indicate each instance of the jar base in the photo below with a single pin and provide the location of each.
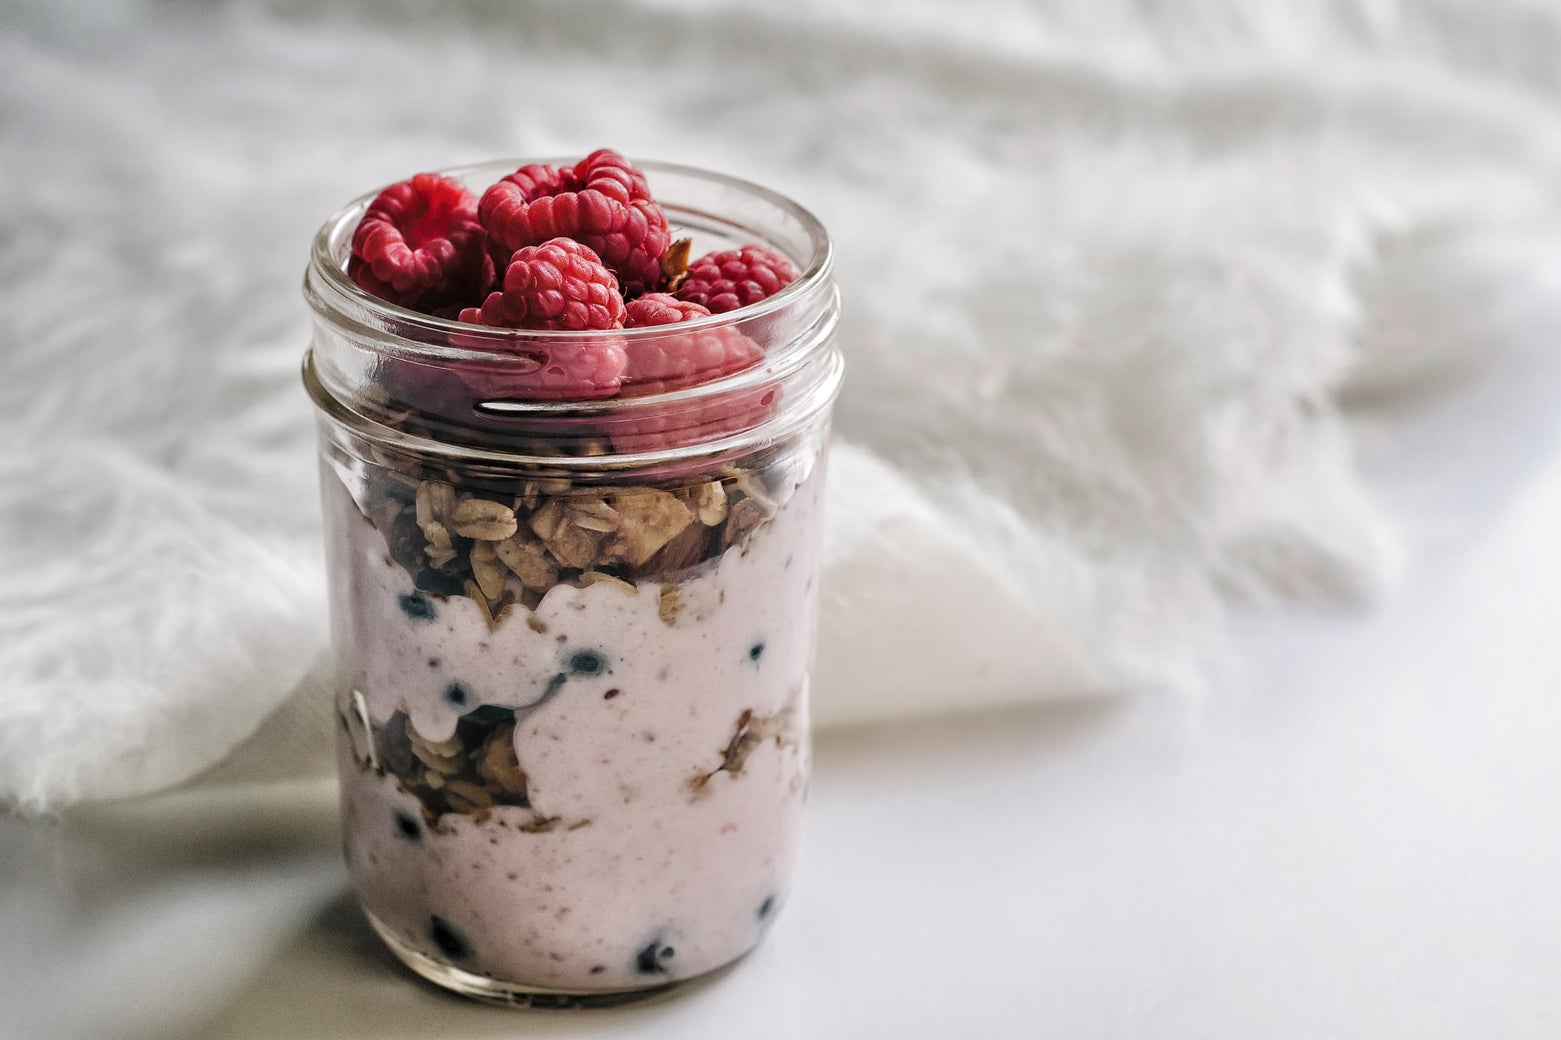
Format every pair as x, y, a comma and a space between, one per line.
493, 991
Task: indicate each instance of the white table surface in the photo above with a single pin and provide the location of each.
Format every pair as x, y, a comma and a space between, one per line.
1356, 834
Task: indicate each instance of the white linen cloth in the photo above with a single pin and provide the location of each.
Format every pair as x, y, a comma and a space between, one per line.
1111, 271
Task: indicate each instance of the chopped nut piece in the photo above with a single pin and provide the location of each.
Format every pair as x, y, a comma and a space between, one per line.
743, 519
674, 263
650, 519
671, 603
529, 562
709, 503
547, 520
688, 548
487, 570
482, 518
751, 731
570, 544
593, 514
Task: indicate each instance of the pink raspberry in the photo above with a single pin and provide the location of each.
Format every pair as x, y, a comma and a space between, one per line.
574, 370
421, 246
603, 201
677, 360
559, 284
661, 309
674, 361
735, 278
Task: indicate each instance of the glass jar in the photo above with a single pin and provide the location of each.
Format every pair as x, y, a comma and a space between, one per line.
573, 638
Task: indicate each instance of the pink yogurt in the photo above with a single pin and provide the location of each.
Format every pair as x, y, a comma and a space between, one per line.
640, 859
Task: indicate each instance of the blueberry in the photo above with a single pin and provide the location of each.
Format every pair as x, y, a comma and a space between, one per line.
457, 695
766, 906
556, 683
756, 651
449, 941
610, 694
649, 960
408, 827
587, 662
418, 606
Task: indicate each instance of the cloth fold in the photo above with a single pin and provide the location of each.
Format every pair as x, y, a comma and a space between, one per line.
1110, 273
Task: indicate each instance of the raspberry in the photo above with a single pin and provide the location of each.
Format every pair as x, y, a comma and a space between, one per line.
602, 202
735, 278
559, 284
674, 361
661, 309
677, 360
564, 371
421, 246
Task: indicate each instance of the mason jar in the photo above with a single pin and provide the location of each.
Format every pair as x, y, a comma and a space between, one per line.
572, 638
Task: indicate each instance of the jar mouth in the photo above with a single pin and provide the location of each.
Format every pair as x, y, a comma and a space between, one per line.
328, 286
357, 333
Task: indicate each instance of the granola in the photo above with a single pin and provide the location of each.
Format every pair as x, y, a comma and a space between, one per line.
508, 545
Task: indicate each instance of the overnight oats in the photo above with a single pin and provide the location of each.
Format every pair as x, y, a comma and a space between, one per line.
572, 424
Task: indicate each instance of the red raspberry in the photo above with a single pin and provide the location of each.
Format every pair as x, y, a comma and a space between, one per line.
661, 309
677, 360
602, 202
420, 245
559, 284
571, 370
735, 278
674, 361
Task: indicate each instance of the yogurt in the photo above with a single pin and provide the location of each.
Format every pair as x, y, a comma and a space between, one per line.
599, 791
